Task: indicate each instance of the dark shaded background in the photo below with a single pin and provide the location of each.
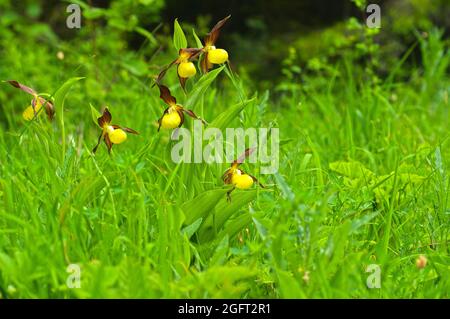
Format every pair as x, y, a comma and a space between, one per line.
260, 32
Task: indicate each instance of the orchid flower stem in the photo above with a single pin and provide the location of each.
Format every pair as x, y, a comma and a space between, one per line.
109, 189
63, 134
202, 102
233, 79
238, 88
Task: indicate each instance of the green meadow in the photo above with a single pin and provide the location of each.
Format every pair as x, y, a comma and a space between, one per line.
359, 206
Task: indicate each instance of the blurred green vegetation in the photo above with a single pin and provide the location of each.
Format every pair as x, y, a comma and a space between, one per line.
264, 33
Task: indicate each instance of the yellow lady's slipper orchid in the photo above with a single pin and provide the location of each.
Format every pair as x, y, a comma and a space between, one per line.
237, 177
421, 262
186, 68
31, 112
36, 103
117, 136
217, 56
240, 180
111, 133
171, 119
173, 115
213, 55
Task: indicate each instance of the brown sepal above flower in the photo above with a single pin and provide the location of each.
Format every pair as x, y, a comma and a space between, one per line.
166, 96
211, 37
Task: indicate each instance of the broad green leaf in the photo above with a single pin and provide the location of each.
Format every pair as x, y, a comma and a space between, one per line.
236, 225
60, 97
179, 39
192, 228
262, 230
201, 205
61, 93
201, 86
351, 169
224, 211
197, 40
223, 120
95, 114
220, 254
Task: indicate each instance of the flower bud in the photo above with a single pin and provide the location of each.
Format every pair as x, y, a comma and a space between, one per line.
186, 69
117, 136
217, 56
421, 262
171, 120
242, 181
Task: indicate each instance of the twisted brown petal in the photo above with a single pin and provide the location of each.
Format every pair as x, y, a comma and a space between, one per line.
49, 108
126, 129
182, 82
108, 142
212, 36
180, 113
244, 155
164, 71
98, 143
190, 53
204, 65
166, 96
193, 115
226, 177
